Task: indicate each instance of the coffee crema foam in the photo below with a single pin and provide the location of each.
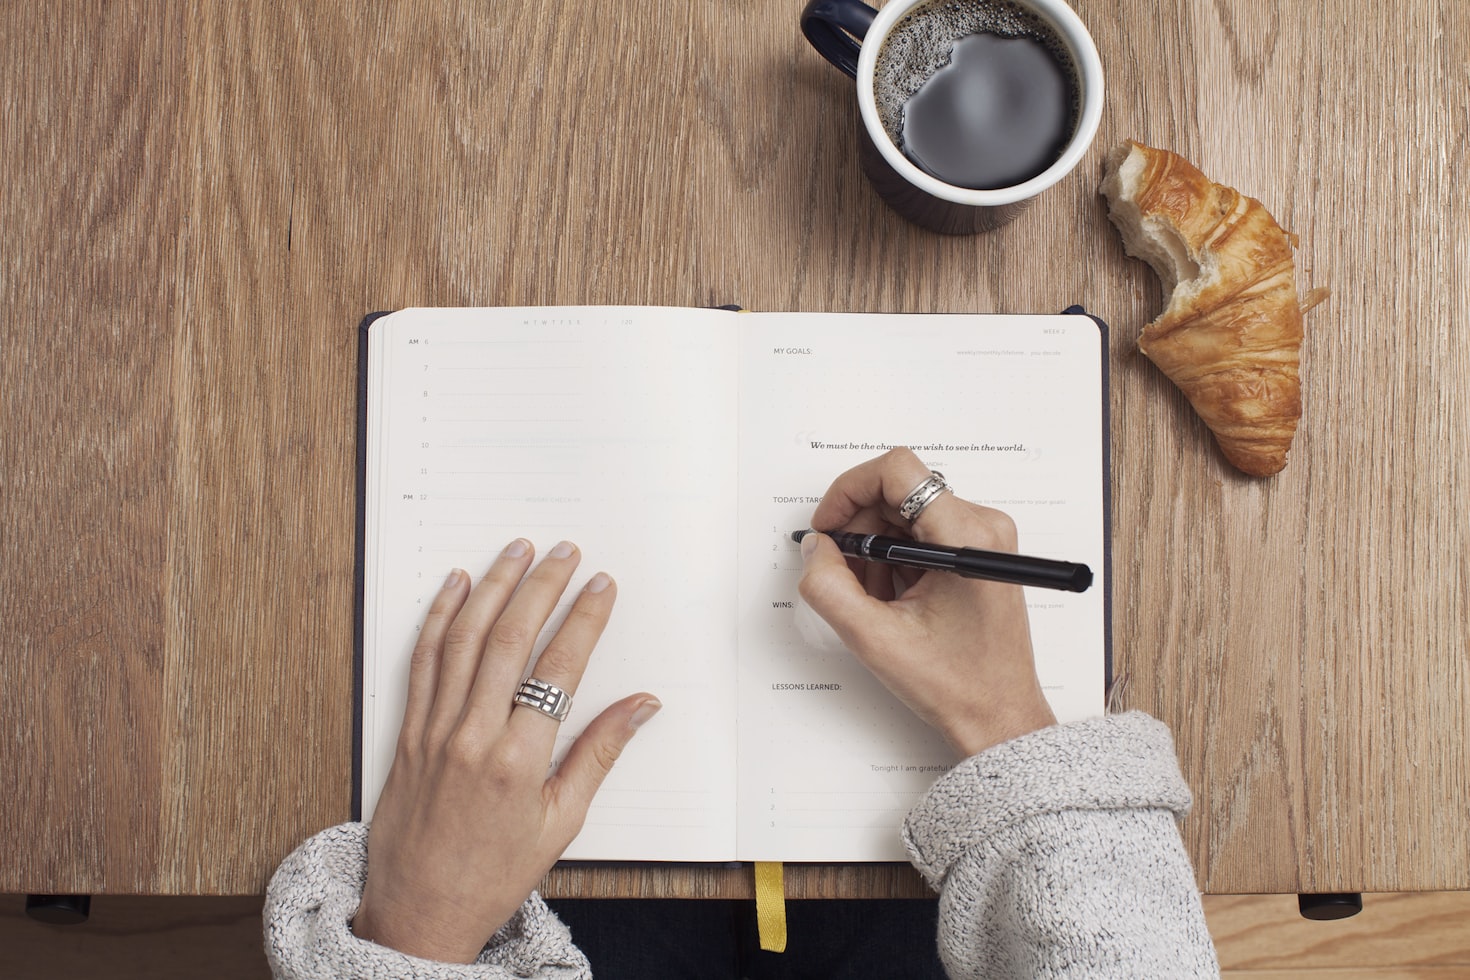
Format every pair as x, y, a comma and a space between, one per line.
922, 42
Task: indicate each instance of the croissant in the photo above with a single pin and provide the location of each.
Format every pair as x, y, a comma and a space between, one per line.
1230, 336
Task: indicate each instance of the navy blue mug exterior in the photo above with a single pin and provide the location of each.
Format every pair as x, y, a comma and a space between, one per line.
836, 28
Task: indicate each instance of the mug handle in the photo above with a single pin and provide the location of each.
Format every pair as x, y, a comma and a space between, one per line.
834, 28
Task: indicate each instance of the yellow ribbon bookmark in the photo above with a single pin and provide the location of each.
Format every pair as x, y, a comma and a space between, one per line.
770, 906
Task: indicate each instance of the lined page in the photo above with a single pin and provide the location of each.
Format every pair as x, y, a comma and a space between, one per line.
610, 427
1010, 410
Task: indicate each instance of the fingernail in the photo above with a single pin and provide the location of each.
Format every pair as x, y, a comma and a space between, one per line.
645, 711
453, 578
563, 550
599, 582
808, 545
517, 548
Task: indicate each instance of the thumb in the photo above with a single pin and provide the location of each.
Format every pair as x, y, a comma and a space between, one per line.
833, 592
594, 753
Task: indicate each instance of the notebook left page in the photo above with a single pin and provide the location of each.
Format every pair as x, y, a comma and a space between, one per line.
610, 427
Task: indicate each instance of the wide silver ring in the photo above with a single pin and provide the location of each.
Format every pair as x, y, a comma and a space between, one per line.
922, 496
546, 698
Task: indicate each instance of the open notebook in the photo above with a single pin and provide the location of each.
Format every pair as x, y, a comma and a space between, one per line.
679, 448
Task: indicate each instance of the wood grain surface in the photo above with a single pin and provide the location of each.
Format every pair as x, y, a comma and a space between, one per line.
200, 201
1399, 934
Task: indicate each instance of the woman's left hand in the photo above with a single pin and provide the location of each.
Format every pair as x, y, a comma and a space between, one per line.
469, 822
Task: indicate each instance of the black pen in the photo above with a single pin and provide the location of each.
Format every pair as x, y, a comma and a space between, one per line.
995, 566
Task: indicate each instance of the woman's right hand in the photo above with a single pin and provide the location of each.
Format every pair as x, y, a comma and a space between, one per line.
957, 651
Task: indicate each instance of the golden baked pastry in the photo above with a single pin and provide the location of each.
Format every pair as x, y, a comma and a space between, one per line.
1230, 336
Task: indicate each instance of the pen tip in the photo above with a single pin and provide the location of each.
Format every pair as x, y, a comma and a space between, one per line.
798, 535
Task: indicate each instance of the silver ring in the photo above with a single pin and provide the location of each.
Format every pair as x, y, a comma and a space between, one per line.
546, 698
922, 496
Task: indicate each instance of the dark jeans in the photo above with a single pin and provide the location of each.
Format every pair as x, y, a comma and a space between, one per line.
888, 939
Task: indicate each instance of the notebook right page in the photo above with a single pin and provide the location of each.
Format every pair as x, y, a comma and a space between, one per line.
1010, 409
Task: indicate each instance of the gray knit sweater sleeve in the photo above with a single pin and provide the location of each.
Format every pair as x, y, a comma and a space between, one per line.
315, 893
1057, 854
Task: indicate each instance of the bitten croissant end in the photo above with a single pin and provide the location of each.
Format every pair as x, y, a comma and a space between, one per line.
1230, 336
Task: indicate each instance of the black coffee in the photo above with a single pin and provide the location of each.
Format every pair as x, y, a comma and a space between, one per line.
978, 93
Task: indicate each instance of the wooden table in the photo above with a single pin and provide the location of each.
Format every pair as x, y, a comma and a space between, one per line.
199, 202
